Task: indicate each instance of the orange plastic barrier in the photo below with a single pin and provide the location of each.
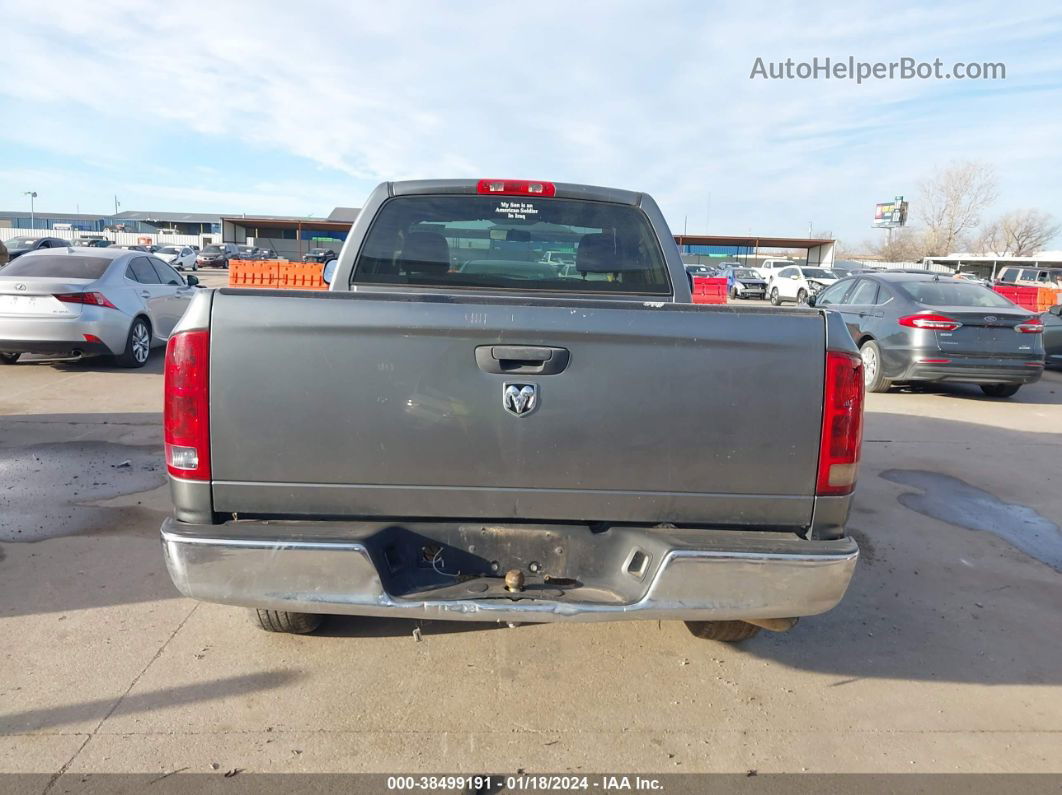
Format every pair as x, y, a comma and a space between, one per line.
1047, 297
254, 273
301, 276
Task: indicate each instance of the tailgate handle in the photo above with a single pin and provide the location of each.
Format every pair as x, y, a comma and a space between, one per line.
521, 359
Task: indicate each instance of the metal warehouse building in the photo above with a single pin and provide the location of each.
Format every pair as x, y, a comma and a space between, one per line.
290, 237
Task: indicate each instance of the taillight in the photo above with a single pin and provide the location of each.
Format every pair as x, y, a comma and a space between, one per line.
186, 405
842, 424
930, 322
1031, 326
516, 187
92, 299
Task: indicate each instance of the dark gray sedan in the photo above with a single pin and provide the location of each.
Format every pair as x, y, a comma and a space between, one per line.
921, 327
1053, 336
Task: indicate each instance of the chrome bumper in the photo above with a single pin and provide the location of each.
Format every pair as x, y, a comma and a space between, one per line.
625, 573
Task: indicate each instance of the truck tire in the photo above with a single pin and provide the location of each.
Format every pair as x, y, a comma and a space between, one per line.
873, 377
775, 300
283, 621
1000, 390
9, 358
135, 353
725, 631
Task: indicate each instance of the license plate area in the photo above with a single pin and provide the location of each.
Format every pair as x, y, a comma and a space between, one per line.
31, 305
555, 563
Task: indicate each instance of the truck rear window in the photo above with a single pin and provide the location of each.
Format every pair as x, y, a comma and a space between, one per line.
512, 242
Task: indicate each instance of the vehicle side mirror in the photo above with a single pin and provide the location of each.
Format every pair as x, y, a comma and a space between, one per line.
329, 271
794, 277
192, 281
811, 300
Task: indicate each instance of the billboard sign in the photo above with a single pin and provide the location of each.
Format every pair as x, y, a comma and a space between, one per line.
888, 215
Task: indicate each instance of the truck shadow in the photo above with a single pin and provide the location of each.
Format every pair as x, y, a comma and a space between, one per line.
152, 701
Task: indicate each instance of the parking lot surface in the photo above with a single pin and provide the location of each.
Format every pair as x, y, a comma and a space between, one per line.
945, 655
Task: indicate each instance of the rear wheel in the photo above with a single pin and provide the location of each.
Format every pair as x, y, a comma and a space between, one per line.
1000, 390
283, 621
726, 631
873, 378
137, 345
775, 300
9, 358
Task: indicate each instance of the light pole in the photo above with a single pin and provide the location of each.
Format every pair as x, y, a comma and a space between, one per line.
33, 195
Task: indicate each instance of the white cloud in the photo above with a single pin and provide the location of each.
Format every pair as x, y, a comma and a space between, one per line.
646, 96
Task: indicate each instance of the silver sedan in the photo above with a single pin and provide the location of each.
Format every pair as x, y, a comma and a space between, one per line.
79, 301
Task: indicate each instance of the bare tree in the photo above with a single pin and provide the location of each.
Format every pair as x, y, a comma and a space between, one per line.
989, 241
904, 245
1020, 233
951, 202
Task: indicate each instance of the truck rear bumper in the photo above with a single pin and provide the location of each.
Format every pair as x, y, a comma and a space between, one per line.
455, 571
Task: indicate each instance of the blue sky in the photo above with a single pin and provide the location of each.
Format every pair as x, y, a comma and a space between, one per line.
294, 108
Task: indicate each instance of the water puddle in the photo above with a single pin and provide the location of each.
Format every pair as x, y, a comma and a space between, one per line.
956, 502
48, 490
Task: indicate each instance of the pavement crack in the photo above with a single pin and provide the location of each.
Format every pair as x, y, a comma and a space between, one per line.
158, 653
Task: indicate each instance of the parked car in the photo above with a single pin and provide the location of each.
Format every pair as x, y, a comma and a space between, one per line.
135, 247
87, 301
701, 271
217, 255
92, 242
17, 246
265, 253
924, 327
1053, 337
769, 267
848, 268
245, 251
744, 283
4, 257
558, 258
798, 283
970, 277
319, 255
1030, 277
489, 401
180, 257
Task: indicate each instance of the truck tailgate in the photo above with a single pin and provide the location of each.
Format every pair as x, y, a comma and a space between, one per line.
358, 404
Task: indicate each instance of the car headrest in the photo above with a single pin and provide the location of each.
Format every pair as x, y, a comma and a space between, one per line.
424, 252
597, 254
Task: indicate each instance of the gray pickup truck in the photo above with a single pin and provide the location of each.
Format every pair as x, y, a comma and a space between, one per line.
463, 428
